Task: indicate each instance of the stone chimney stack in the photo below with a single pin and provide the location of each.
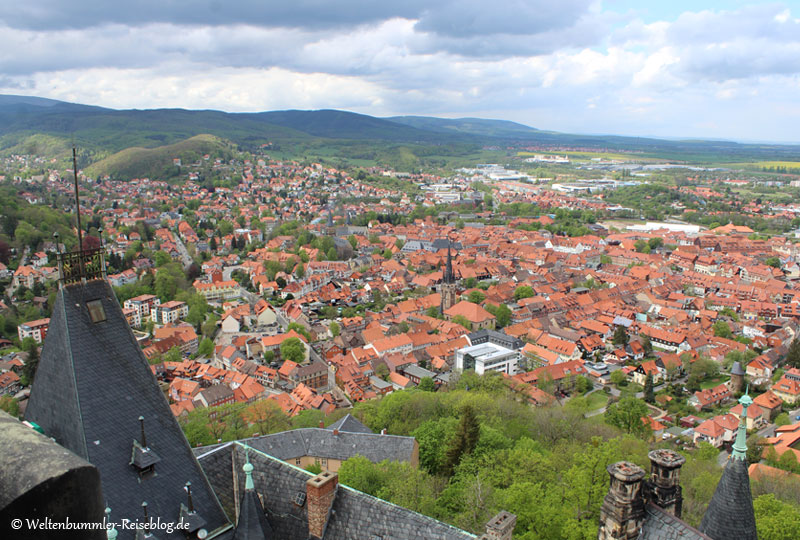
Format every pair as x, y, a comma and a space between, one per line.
622, 512
663, 488
320, 493
500, 527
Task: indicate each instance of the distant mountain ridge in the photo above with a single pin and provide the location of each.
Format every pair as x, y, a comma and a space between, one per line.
103, 131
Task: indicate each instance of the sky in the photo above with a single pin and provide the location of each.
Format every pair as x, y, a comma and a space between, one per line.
679, 68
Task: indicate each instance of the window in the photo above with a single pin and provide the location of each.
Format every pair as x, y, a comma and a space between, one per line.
96, 312
297, 461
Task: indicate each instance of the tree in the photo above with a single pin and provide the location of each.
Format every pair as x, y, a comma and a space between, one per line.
774, 262
206, 348
269, 356
655, 243
433, 312
466, 438
387, 254
523, 291
300, 271
793, 356
427, 384
353, 241
647, 345
463, 321
267, 416
618, 378
723, 330
293, 349
334, 328
620, 338
30, 346
280, 282
476, 297
9, 405
627, 415
776, 519
649, 392
300, 329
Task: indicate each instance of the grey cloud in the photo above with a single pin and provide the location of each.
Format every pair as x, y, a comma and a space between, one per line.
79, 14
464, 18
459, 26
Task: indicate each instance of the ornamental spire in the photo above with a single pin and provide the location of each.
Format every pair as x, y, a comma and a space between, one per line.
740, 446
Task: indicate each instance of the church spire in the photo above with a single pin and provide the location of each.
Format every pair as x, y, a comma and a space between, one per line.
448, 272
730, 513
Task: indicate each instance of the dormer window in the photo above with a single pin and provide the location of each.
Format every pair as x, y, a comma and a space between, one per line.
96, 311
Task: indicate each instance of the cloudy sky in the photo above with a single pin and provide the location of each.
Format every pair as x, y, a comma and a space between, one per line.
724, 69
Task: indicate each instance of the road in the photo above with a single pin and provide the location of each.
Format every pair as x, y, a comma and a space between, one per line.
185, 258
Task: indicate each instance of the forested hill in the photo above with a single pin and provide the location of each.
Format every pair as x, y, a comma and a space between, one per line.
105, 131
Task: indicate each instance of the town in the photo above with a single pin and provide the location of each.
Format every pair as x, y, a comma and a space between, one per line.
271, 297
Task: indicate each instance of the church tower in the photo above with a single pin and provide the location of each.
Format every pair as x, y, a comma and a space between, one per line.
448, 288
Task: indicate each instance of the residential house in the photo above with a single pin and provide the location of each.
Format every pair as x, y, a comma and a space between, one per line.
36, 329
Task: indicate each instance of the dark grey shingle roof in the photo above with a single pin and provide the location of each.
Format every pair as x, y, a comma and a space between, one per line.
92, 384
350, 424
730, 512
319, 442
355, 514
659, 525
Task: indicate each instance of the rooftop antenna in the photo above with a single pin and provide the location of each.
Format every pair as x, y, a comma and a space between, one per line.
77, 197
144, 439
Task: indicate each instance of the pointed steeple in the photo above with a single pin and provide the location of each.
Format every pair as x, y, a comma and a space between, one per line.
252, 523
90, 347
730, 513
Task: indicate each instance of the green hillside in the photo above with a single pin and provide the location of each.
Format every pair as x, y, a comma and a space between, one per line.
157, 162
424, 141
468, 126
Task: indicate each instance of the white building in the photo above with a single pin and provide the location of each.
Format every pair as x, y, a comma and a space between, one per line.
35, 329
487, 357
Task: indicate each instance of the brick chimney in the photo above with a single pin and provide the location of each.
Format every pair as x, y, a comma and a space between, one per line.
320, 494
622, 512
663, 488
500, 527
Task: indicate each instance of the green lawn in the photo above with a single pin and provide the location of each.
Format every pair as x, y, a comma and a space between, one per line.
716, 381
597, 400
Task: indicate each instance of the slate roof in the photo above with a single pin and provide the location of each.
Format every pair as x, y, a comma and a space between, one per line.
354, 515
659, 525
319, 442
350, 424
91, 386
730, 512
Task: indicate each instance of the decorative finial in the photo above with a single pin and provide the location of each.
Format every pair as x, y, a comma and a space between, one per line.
740, 446
111, 532
248, 470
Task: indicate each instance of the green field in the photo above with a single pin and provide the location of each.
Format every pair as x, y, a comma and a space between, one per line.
790, 166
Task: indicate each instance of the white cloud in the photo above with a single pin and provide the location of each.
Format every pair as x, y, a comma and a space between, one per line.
536, 62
